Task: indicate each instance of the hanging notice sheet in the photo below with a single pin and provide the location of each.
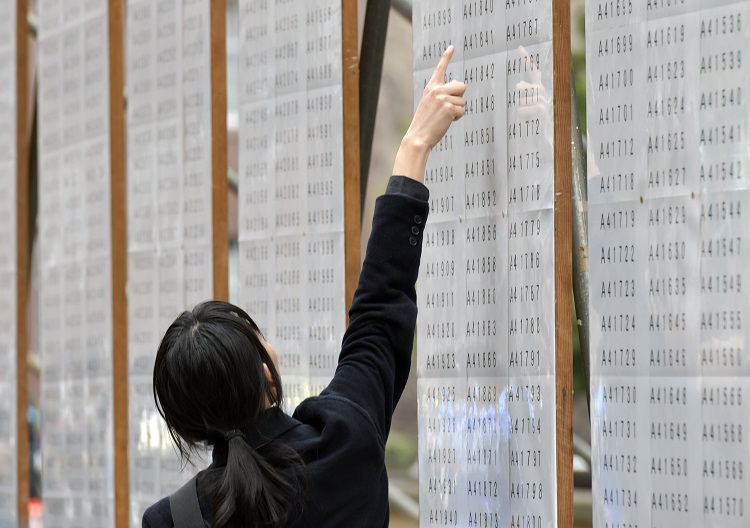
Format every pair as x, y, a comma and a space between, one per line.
669, 192
170, 266
8, 265
291, 180
485, 335
75, 254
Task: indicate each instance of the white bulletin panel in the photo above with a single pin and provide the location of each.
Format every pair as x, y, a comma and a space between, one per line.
291, 181
8, 266
170, 266
669, 180
74, 242
486, 292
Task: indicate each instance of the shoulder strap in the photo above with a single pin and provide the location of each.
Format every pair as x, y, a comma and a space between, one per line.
186, 512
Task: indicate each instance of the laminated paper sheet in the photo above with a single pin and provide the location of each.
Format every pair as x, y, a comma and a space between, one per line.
75, 250
291, 205
8, 265
668, 193
170, 266
485, 335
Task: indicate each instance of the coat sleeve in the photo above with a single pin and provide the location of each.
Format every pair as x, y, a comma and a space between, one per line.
376, 350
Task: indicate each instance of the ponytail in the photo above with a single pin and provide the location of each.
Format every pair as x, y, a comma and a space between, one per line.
249, 490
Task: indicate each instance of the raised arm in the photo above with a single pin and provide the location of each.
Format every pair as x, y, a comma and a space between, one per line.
376, 351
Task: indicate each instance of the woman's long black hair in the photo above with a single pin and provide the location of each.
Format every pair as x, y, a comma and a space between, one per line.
209, 379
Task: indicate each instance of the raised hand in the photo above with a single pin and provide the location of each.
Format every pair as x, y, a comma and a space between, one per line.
441, 104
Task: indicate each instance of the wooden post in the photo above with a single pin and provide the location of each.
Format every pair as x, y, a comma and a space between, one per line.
220, 216
119, 262
22, 261
563, 256
352, 209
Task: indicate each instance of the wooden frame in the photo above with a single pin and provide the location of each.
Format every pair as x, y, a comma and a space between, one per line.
219, 177
22, 260
352, 210
561, 75
118, 192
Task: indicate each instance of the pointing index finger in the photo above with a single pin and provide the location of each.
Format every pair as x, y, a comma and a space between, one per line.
439, 74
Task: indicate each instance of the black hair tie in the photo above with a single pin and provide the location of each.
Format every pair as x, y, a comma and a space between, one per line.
232, 434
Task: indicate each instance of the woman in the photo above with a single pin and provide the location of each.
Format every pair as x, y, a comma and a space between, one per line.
217, 382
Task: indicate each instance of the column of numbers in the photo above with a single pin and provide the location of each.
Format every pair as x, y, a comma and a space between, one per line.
444, 426
530, 162
256, 193
616, 163
723, 180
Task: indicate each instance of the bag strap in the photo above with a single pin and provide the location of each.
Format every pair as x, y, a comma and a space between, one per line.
186, 512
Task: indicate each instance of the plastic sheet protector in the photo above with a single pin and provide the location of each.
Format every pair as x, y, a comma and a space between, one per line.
485, 334
170, 266
75, 264
668, 180
291, 181
8, 266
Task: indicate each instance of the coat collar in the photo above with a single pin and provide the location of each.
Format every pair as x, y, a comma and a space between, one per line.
270, 425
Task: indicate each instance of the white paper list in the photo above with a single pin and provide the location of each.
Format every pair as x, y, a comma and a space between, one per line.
485, 335
170, 266
74, 244
668, 183
291, 180
8, 266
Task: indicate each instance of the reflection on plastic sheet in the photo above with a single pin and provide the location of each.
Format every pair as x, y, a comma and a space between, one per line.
486, 288
8, 266
668, 181
170, 266
291, 210
75, 251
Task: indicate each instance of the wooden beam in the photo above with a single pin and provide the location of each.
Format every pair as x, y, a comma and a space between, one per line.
219, 208
352, 209
119, 262
22, 261
563, 256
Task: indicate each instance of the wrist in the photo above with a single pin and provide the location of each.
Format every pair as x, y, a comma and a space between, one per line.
414, 146
411, 159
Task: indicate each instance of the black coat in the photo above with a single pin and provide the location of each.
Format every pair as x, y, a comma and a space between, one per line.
341, 433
